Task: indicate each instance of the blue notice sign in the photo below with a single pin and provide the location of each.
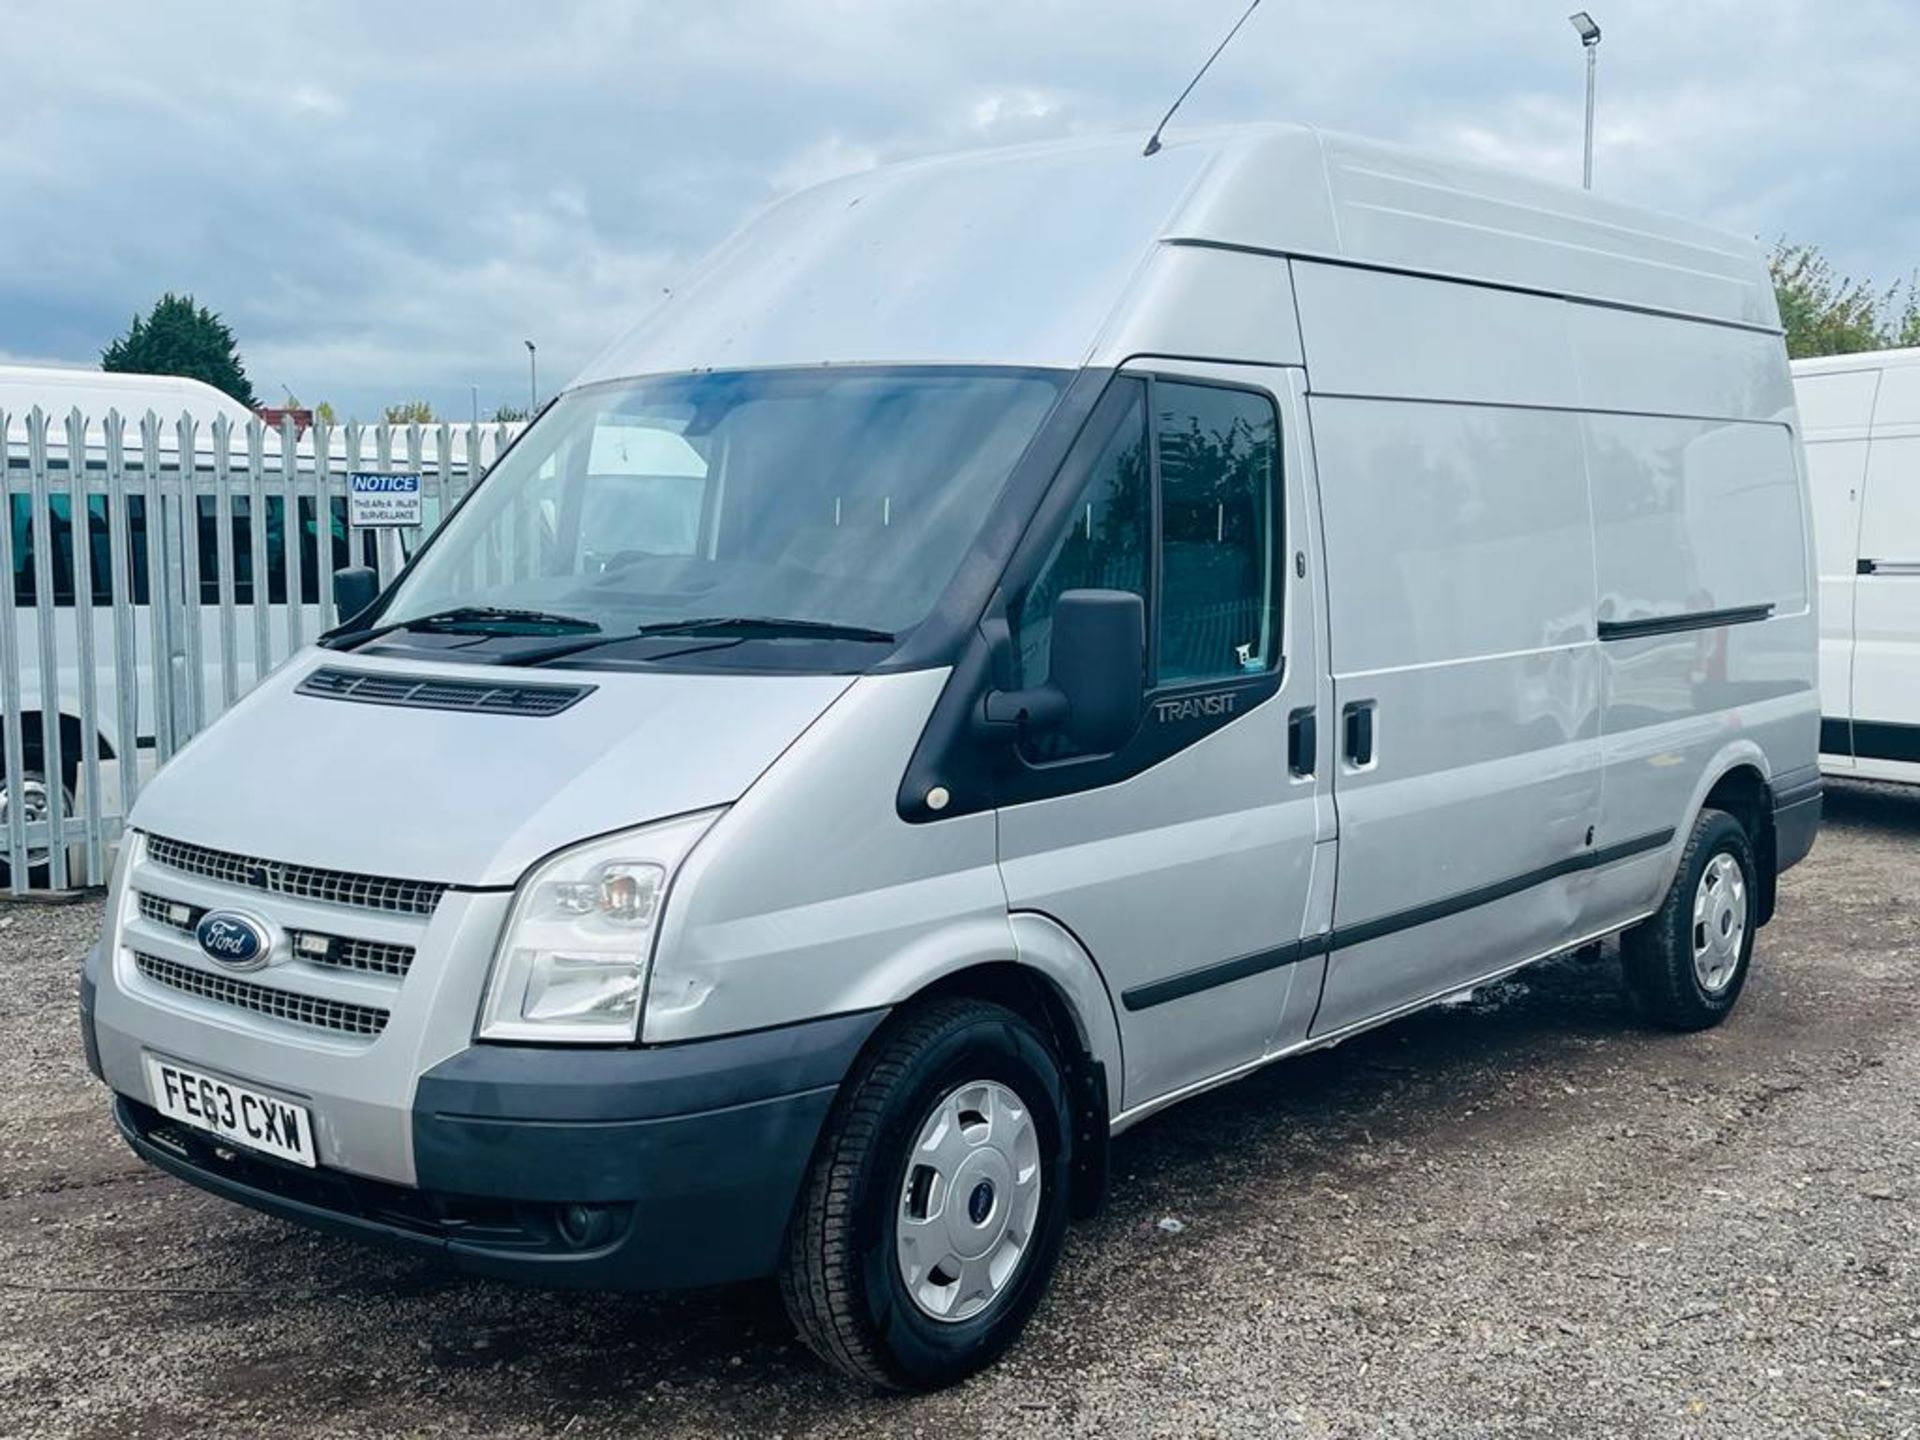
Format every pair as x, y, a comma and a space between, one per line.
378, 500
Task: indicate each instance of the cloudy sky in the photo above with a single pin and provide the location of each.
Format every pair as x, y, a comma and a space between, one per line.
384, 200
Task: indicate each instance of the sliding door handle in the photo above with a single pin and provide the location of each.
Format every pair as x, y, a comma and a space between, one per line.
1357, 728
1303, 741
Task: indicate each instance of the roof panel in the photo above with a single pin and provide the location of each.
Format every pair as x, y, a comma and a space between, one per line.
1023, 256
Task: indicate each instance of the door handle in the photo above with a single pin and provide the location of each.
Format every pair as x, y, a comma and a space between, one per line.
1303, 741
1357, 723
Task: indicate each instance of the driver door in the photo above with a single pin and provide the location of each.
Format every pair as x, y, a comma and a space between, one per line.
1185, 863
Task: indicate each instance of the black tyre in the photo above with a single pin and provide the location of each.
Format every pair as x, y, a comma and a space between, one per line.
933, 1214
1686, 964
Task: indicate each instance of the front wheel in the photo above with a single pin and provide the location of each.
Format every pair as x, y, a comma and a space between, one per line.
36, 806
934, 1212
1686, 965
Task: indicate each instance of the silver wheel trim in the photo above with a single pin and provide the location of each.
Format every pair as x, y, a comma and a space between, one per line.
1719, 923
33, 809
969, 1201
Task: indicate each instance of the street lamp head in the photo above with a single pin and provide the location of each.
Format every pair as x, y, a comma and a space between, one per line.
1583, 23
528, 344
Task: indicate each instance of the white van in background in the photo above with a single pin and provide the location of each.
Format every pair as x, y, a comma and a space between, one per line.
1860, 418
1015, 641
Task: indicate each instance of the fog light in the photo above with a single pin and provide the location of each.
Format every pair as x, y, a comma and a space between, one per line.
587, 1227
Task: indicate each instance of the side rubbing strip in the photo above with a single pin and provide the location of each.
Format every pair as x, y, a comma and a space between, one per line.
1680, 624
1192, 982
1486, 894
1881, 740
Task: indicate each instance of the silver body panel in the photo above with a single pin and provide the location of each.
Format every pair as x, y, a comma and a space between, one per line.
1511, 416
469, 799
812, 897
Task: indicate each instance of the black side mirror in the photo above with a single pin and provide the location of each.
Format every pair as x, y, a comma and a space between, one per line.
1095, 684
355, 587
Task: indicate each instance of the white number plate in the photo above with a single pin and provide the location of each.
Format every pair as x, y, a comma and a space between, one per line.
231, 1111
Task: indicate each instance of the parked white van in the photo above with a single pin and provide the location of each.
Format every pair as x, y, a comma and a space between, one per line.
1861, 415
1017, 641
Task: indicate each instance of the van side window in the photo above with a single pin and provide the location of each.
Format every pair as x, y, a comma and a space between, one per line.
60, 533
1106, 543
314, 570
1219, 590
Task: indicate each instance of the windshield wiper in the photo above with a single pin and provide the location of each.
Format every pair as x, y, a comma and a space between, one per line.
476, 620
768, 626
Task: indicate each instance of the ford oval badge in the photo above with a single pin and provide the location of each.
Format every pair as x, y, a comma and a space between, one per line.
236, 941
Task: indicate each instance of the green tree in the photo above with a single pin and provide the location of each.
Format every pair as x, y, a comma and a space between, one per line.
178, 337
1908, 332
509, 414
1826, 313
410, 412
326, 414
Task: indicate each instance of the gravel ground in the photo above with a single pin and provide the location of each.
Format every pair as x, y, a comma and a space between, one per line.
1525, 1216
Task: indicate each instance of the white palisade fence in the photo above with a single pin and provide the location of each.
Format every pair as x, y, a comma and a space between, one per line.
150, 573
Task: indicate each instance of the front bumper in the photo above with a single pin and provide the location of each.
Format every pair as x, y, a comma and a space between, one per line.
632, 1169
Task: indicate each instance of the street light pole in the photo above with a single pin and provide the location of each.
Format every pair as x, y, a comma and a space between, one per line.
533, 380
1590, 42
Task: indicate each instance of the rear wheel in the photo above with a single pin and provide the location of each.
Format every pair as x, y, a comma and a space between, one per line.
1686, 965
934, 1212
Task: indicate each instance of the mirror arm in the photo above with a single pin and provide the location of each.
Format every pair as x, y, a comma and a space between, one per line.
1041, 707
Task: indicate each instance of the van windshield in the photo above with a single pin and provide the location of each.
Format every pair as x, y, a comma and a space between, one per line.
841, 498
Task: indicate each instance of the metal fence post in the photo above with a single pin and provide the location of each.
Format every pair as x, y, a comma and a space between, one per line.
12, 699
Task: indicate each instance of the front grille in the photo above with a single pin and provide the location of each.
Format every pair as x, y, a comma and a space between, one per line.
304, 882
376, 957
174, 914
338, 1016
421, 692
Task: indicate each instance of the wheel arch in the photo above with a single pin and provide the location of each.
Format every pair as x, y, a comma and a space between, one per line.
1051, 982
1740, 782
72, 736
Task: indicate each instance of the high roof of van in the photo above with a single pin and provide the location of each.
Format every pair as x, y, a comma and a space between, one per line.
1859, 360
1848, 395
57, 390
1025, 255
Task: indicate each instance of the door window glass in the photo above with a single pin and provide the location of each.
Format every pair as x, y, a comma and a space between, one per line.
1219, 611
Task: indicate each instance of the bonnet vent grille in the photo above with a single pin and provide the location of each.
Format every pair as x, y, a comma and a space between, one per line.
420, 692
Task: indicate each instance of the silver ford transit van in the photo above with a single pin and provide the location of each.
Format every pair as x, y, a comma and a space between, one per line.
1016, 641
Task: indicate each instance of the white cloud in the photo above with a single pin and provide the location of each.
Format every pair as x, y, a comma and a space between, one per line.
1000, 110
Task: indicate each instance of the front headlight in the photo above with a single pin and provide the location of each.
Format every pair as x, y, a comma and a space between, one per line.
572, 962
